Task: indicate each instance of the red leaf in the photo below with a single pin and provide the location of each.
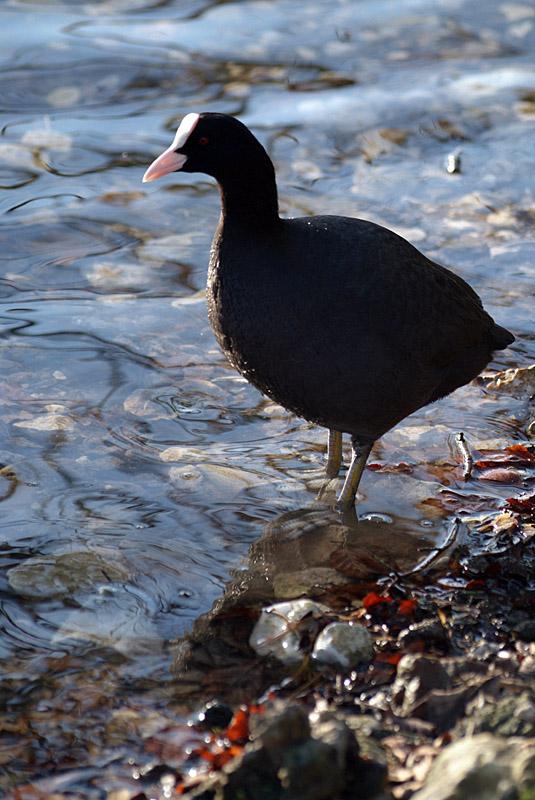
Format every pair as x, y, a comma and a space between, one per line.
207, 755
222, 758
372, 599
407, 607
389, 658
522, 452
239, 726
516, 454
523, 503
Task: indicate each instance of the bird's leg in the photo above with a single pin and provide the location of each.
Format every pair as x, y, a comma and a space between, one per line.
354, 474
334, 454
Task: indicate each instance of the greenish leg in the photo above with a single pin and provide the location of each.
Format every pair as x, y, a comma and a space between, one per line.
360, 455
334, 454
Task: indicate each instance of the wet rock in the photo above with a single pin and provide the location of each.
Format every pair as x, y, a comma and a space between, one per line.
289, 585
525, 630
280, 726
430, 632
465, 669
296, 755
160, 773
520, 382
493, 653
116, 616
343, 645
218, 481
313, 771
523, 771
416, 676
249, 776
332, 730
361, 761
527, 667
141, 403
284, 630
424, 689
53, 421
274, 736
228, 481
62, 574
368, 732
512, 715
485, 766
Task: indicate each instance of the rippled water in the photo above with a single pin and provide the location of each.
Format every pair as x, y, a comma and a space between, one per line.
138, 466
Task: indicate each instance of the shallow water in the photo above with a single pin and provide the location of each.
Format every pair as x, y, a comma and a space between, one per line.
139, 466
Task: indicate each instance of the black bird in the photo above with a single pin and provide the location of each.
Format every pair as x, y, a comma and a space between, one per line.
339, 320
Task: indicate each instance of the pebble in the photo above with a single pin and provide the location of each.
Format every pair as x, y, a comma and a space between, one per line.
343, 645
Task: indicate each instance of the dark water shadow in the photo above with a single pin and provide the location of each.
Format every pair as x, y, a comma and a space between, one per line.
312, 552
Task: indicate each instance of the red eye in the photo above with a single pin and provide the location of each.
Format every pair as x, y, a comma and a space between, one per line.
203, 140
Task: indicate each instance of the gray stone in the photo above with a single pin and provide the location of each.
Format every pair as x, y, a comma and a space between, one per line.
248, 777
289, 585
416, 676
485, 767
523, 771
66, 573
327, 727
428, 631
525, 630
343, 645
280, 726
512, 715
312, 771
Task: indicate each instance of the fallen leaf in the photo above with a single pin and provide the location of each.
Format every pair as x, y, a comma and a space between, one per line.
238, 730
372, 599
407, 607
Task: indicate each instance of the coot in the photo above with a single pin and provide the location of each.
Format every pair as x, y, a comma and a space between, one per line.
339, 320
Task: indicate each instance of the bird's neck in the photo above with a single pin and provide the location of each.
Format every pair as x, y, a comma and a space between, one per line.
249, 198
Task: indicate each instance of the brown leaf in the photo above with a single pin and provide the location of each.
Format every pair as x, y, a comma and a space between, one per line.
517, 454
502, 475
452, 501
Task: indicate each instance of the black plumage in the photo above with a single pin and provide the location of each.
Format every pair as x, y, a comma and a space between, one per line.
340, 320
